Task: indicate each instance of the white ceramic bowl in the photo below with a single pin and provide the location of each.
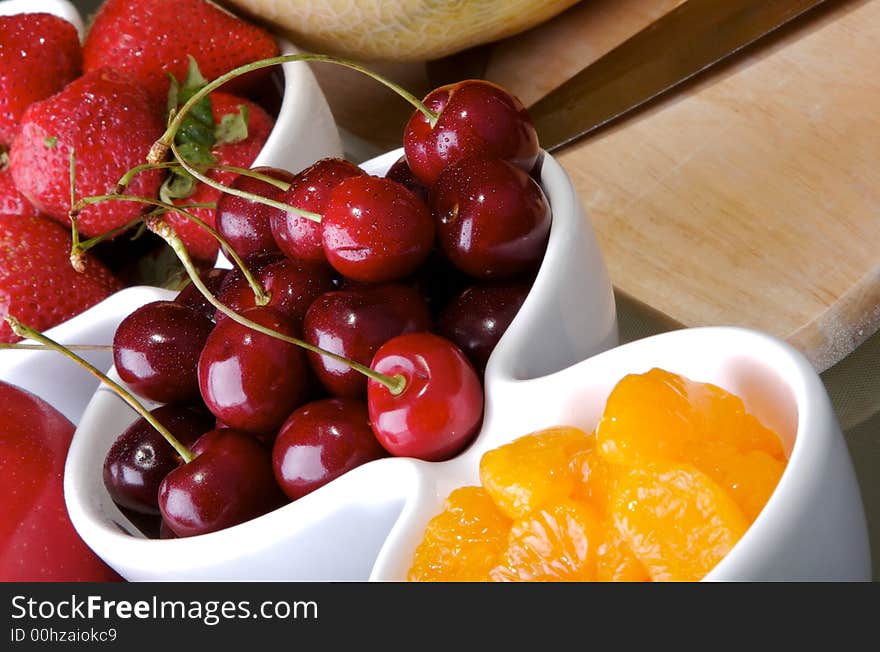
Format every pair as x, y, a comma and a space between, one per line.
304, 132
336, 532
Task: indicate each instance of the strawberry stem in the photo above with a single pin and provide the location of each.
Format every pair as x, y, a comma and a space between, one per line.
261, 297
161, 147
26, 331
395, 384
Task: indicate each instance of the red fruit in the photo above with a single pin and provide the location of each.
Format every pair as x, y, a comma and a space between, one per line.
13, 202
110, 124
251, 381
37, 539
354, 323
440, 409
477, 118
493, 220
245, 223
37, 283
39, 55
199, 243
319, 442
151, 38
299, 237
375, 230
229, 482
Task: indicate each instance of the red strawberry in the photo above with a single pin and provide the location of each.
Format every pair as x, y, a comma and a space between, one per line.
200, 244
39, 55
151, 38
110, 123
37, 283
13, 202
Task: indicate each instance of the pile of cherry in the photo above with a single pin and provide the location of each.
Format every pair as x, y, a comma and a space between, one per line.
409, 280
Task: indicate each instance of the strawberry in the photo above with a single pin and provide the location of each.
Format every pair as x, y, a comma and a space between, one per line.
151, 38
110, 124
239, 153
37, 283
39, 55
12, 202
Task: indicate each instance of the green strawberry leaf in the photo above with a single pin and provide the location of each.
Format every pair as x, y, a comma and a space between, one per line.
195, 138
233, 127
161, 269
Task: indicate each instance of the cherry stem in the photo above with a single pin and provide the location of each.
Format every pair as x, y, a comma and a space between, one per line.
22, 330
208, 181
172, 165
43, 347
261, 297
160, 148
395, 384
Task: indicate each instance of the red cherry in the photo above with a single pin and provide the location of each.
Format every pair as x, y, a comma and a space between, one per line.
476, 118
299, 237
292, 287
192, 297
477, 318
493, 220
140, 458
245, 224
230, 481
441, 407
156, 349
249, 380
354, 323
319, 442
375, 230
402, 174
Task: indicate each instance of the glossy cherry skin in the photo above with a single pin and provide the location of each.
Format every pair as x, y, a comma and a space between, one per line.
477, 318
354, 323
441, 408
245, 224
249, 380
320, 441
37, 540
192, 297
156, 349
375, 230
300, 237
292, 287
402, 174
140, 458
493, 220
476, 118
229, 482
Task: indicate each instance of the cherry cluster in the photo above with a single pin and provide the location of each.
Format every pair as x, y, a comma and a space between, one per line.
359, 325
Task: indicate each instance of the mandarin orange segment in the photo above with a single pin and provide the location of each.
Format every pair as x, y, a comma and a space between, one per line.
594, 478
556, 543
617, 562
676, 520
534, 470
749, 478
462, 543
658, 415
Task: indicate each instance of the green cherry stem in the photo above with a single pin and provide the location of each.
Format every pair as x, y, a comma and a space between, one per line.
261, 297
175, 165
160, 148
22, 330
43, 347
208, 181
395, 384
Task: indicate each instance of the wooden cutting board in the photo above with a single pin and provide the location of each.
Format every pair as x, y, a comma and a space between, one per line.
751, 197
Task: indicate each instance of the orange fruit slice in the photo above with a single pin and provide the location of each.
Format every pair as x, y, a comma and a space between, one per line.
463, 542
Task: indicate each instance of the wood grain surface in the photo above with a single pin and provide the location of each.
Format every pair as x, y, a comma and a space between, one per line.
750, 197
